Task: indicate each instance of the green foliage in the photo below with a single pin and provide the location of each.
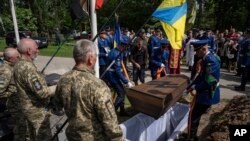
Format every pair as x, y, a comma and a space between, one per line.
46, 15
25, 20
132, 13
224, 14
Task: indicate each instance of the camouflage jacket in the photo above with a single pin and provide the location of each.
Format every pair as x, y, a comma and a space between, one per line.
88, 105
7, 84
32, 89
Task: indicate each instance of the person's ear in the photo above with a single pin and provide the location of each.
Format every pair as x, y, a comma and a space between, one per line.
29, 51
91, 58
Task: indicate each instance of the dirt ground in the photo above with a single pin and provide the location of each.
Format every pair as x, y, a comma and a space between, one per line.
236, 112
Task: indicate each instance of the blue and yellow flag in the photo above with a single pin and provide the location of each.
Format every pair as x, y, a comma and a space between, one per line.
172, 14
117, 35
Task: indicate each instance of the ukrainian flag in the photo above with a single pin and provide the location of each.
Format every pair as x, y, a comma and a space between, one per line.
172, 14
117, 36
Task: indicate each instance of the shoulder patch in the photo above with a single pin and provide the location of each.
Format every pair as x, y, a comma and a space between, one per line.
37, 85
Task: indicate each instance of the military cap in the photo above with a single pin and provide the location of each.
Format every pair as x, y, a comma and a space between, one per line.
199, 44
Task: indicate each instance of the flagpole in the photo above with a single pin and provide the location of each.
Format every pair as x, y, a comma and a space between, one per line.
13, 12
94, 32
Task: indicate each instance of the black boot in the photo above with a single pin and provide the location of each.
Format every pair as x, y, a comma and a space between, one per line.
123, 111
239, 88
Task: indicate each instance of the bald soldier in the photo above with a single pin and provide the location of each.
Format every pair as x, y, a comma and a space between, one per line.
8, 92
87, 100
33, 93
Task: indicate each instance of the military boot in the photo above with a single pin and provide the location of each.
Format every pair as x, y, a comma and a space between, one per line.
239, 88
123, 112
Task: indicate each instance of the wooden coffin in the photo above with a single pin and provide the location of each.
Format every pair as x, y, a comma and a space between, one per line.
154, 98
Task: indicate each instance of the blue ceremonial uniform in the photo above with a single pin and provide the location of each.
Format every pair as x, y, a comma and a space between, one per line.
154, 42
206, 85
211, 43
110, 40
245, 54
125, 39
103, 51
158, 58
210, 66
115, 76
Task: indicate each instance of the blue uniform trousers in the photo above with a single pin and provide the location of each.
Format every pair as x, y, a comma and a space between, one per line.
118, 87
198, 111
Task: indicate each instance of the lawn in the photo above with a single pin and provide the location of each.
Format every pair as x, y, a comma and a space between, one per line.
65, 51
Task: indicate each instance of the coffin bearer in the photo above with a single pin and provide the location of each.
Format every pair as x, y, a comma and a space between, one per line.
116, 77
206, 85
33, 93
104, 49
159, 60
87, 99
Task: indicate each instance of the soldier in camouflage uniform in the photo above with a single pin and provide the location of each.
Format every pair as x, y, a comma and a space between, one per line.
87, 100
33, 93
8, 91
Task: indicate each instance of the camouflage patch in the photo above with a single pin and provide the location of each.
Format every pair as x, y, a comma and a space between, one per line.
109, 105
37, 85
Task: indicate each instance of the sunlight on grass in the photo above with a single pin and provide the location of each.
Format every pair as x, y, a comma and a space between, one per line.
65, 51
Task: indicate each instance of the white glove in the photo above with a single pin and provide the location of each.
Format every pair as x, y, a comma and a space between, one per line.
130, 85
162, 65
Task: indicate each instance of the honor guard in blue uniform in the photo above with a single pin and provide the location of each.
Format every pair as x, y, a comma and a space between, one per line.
211, 45
110, 38
104, 49
159, 59
126, 40
154, 42
116, 78
245, 64
206, 85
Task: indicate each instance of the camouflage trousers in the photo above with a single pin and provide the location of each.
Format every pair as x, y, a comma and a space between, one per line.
39, 127
20, 128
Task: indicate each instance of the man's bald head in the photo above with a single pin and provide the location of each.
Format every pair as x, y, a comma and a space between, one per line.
25, 44
11, 55
28, 49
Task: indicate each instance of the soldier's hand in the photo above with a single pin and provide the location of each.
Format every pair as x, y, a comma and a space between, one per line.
52, 90
130, 85
162, 65
137, 66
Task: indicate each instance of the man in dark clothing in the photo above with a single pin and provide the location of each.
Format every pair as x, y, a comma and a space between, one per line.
138, 58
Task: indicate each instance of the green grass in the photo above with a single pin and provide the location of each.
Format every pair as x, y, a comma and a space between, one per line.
65, 51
